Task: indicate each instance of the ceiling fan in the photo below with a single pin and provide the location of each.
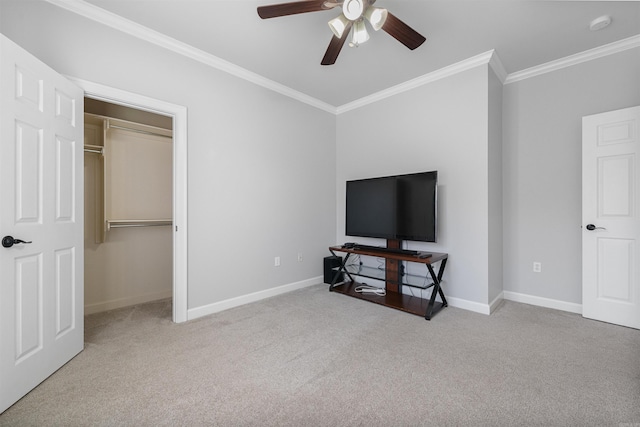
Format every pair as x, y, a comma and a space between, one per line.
351, 20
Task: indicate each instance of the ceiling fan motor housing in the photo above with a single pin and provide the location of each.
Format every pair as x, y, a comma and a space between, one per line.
353, 9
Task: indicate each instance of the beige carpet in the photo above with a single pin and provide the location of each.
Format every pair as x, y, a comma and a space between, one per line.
315, 358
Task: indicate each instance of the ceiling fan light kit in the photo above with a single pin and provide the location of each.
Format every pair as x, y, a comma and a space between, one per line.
338, 25
376, 17
359, 34
351, 19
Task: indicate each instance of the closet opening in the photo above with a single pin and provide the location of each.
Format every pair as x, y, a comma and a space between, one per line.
129, 225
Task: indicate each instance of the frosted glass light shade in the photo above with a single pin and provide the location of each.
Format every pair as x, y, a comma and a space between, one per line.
376, 17
359, 34
338, 25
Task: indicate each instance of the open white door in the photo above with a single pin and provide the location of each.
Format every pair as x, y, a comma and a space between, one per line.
41, 193
611, 217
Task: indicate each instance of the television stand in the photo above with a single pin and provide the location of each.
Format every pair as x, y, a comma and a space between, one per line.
393, 278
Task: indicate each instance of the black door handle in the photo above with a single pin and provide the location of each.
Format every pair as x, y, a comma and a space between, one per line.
592, 227
8, 241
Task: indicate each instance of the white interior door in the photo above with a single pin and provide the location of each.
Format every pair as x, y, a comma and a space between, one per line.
611, 218
41, 193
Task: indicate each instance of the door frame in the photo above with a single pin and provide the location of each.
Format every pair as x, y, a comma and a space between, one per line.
179, 115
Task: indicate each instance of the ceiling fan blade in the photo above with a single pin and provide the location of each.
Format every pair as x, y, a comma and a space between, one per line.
284, 9
402, 32
335, 46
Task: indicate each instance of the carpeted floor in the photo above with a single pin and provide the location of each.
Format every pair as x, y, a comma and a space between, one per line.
315, 358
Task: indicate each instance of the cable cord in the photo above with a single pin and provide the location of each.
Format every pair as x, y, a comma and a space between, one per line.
366, 289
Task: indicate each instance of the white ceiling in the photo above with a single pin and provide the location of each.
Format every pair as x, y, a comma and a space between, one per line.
288, 50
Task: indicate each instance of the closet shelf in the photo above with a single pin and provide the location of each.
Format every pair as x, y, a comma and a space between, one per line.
123, 223
144, 132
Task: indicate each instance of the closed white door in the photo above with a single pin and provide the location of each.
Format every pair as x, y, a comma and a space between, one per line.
611, 217
41, 196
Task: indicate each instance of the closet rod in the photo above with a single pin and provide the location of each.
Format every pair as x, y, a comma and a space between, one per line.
145, 132
93, 149
123, 223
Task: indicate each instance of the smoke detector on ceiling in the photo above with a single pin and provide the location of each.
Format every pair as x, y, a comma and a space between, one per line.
600, 22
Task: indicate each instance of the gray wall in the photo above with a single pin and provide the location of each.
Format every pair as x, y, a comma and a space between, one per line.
261, 166
266, 173
542, 125
495, 197
440, 126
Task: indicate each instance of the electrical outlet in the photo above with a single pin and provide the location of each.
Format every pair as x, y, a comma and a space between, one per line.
276, 261
300, 259
537, 267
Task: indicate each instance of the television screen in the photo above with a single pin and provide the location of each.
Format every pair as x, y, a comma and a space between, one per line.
394, 207
371, 210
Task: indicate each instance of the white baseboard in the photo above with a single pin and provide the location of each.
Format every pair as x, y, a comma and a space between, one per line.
543, 302
517, 297
205, 310
464, 304
476, 307
496, 302
99, 307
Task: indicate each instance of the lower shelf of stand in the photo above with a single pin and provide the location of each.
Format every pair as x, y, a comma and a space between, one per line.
406, 303
414, 281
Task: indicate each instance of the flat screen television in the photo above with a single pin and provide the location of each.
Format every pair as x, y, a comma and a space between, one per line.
399, 207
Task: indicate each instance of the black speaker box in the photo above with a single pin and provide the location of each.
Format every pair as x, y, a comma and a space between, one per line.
330, 263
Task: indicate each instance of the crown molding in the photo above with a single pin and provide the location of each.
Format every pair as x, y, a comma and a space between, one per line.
119, 23
458, 67
496, 65
97, 14
578, 58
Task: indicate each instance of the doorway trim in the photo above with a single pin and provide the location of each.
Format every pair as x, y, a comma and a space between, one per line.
179, 115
